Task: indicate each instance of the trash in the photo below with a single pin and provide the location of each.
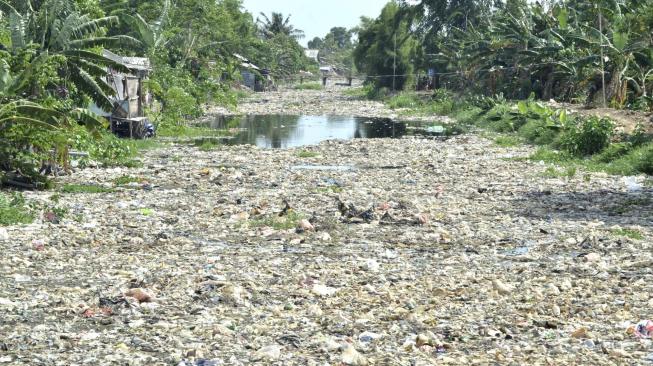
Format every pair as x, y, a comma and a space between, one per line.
4, 235
644, 329
502, 288
322, 290
581, 332
352, 214
632, 185
304, 225
367, 337
226, 290
436, 129
139, 294
269, 353
350, 356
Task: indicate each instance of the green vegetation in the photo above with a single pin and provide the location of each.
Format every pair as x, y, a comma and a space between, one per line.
628, 233
52, 68
307, 154
337, 48
385, 47
126, 179
146, 211
286, 222
85, 188
552, 172
329, 189
507, 141
14, 210
308, 86
551, 49
185, 131
563, 139
206, 144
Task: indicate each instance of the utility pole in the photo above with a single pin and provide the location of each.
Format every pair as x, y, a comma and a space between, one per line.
394, 65
602, 57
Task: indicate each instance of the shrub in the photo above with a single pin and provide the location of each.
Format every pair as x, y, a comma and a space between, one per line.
405, 100
13, 210
537, 132
179, 106
643, 158
589, 136
499, 119
308, 86
613, 152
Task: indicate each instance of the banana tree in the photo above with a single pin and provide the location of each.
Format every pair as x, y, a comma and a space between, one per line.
56, 30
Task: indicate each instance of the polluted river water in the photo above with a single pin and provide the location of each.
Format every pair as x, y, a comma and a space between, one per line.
285, 131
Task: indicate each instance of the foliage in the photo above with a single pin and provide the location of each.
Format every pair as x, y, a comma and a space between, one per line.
517, 48
14, 210
628, 233
404, 100
276, 24
385, 48
588, 137
82, 188
309, 86
337, 48
307, 154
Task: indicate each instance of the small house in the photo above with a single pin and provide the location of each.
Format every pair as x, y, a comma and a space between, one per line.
127, 119
249, 72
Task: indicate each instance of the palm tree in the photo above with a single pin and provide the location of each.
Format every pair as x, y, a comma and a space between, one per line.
56, 30
276, 24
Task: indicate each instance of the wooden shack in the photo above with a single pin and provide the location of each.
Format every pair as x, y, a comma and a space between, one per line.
127, 119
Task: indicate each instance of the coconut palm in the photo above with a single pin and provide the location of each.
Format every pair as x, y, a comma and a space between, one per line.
276, 24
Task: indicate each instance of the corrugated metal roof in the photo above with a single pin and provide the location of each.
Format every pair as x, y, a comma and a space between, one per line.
132, 63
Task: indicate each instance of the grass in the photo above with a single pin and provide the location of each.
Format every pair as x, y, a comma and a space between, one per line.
628, 233
359, 93
147, 211
286, 222
329, 189
405, 100
13, 210
613, 160
552, 172
126, 179
507, 141
307, 154
183, 131
145, 144
84, 188
206, 144
308, 86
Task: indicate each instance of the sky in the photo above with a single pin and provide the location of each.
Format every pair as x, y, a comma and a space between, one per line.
317, 17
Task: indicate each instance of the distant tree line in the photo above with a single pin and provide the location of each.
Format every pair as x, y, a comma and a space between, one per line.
569, 50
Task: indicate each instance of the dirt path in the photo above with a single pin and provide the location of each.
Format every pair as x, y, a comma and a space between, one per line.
447, 252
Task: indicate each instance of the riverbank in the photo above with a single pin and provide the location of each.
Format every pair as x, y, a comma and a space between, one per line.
359, 252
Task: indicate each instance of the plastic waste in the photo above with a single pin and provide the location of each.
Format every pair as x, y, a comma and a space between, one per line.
632, 185
644, 329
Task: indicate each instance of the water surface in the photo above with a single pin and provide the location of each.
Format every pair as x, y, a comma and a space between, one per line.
280, 131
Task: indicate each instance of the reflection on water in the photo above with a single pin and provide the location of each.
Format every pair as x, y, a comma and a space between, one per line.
277, 131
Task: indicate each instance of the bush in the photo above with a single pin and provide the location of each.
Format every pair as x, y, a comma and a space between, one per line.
589, 136
537, 132
13, 210
643, 159
179, 106
613, 152
308, 86
405, 100
499, 119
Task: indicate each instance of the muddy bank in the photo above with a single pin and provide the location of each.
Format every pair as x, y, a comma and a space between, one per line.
380, 252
